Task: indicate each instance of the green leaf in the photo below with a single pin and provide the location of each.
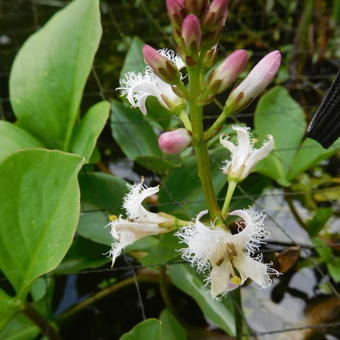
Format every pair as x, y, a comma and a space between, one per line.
133, 132
8, 307
319, 220
83, 254
159, 113
50, 71
39, 213
158, 164
149, 329
218, 312
134, 60
181, 192
309, 154
14, 138
279, 115
165, 250
19, 328
89, 129
171, 329
101, 195
334, 269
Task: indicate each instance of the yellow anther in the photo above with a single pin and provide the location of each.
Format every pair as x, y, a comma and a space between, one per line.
236, 280
113, 218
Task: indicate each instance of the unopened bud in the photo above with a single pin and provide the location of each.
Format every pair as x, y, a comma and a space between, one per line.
191, 34
176, 11
162, 66
227, 72
174, 142
256, 81
216, 15
195, 6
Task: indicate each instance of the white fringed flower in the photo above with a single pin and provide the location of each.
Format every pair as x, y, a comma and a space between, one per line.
227, 256
244, 156
138, 86
139, 223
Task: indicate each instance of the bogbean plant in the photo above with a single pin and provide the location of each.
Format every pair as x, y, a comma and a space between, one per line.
43, 178
184, 81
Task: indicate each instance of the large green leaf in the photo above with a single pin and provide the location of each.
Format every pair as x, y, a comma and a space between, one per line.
310, 153
89, 129
133, 132
101, 195
149, 329
50, 71
14, 138
8, 307
279, 115
19, 328
219, 312
181, 192
171, 329
39, 212
134, 60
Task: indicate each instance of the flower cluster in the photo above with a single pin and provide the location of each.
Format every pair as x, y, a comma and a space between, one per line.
230, 258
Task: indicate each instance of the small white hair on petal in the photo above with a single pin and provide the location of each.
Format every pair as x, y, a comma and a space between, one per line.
173, 56
253, 234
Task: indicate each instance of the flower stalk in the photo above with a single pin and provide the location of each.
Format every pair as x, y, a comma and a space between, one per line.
231, 188
200, 146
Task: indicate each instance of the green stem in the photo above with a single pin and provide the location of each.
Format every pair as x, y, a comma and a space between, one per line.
294, 211
46, 328
200, 146
231, 188
216, 127
185, 120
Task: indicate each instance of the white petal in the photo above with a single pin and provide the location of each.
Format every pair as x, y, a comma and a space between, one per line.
258, 154
253, 269
125, 233
253, 234
205, 246
133, 204
243, 149
219, 278
227, 144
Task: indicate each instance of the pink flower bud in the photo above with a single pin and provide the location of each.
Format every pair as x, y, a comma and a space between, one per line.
195, 6
216, 15
227, 72
191, 34
256, 81
174, 142
162, 66
176, 11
